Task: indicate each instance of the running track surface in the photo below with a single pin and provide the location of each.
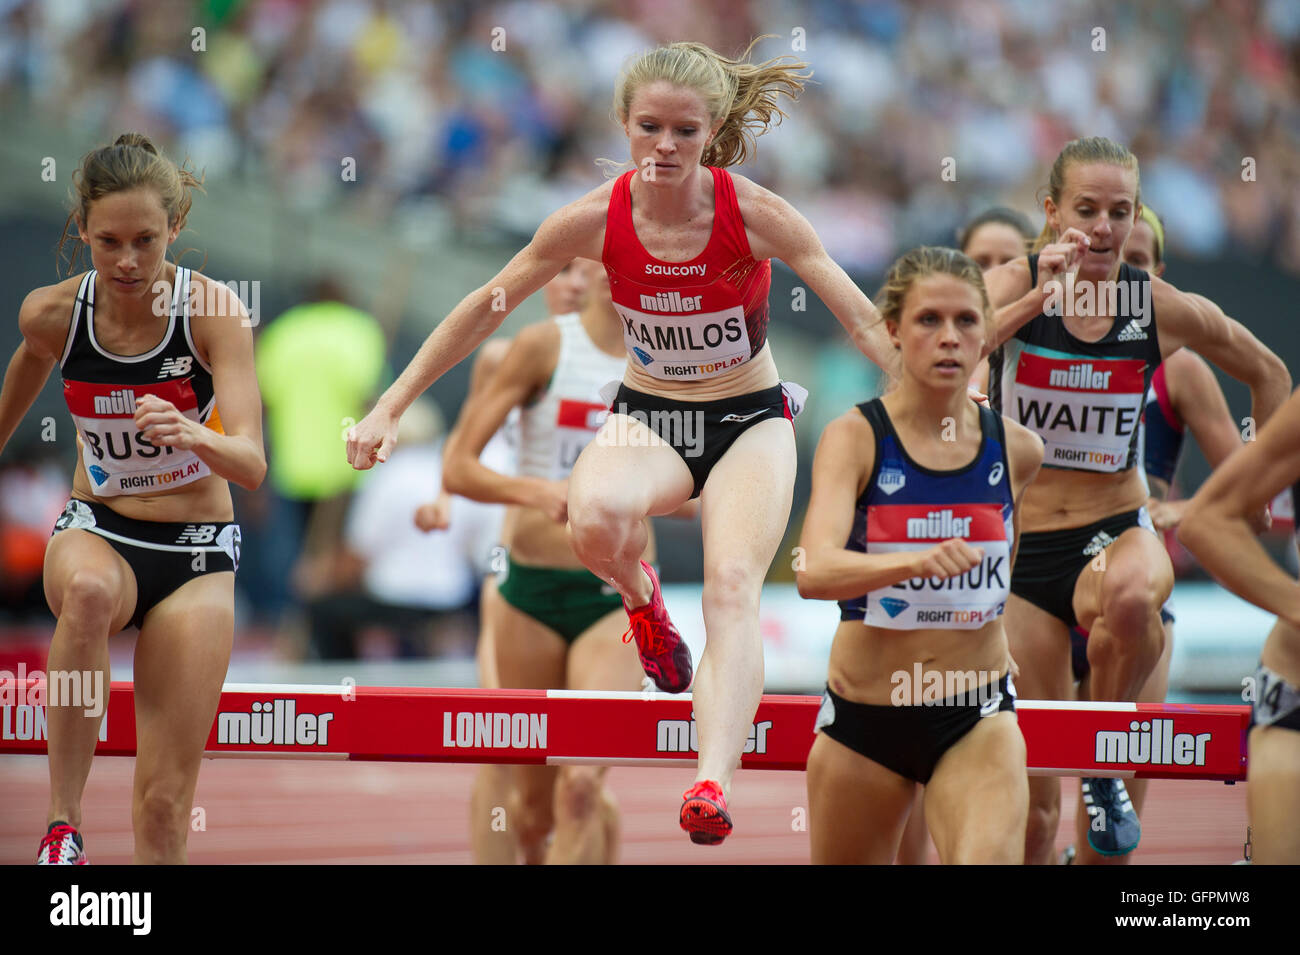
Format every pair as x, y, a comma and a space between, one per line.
283, 811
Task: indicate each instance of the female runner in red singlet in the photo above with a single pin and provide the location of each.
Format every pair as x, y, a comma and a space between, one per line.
147, 350
701, 411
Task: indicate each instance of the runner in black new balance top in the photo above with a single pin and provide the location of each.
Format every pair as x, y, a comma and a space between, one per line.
147, 351
1217, 529
912, 527
1078, 377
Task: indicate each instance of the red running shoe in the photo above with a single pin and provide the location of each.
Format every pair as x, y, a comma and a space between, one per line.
704, 813
665, 657
61, 846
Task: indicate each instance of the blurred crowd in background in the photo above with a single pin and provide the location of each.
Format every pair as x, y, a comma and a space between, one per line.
492, 114
500, 108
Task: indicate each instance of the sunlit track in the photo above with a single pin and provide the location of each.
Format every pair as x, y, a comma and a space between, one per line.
274, 811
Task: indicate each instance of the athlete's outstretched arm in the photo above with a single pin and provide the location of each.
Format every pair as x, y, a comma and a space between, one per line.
1216, 527
31, 363
1198, 323
226, 337
845, 456
777, 230
574, 231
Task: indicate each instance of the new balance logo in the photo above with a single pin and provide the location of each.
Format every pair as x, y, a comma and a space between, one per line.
174, 367
197, 534
121, 401
1133, 333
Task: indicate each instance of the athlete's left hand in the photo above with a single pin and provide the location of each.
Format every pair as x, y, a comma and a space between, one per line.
164, 426
1166, 514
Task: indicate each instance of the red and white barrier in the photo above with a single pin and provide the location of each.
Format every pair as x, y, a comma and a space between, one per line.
558, 727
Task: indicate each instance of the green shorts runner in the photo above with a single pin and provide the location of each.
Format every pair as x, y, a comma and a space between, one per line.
566, 601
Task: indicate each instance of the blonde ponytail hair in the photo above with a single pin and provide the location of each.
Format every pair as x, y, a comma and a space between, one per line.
740, 94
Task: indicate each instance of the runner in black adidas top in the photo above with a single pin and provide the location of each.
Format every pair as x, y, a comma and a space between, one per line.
146, 349
1078, 378
1217, 529
911, 526
1184, 396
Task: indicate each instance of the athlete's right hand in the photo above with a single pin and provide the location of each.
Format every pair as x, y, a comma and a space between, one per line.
434, 515
552, 499
952, 557
372, 439
1062, 256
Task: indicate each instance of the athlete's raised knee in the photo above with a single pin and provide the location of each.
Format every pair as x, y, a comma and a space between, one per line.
89, 596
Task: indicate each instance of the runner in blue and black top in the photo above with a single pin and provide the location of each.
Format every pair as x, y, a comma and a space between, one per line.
912, 528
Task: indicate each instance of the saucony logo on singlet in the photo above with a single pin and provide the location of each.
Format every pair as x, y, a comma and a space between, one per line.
938, 525
1133, 333
174, 367
742, 417
121, 401
653, 269
1083, 377
671, 302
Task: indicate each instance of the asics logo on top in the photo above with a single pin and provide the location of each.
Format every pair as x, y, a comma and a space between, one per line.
1133, 333
197, 534
654, 269
989, 707
995, 474
174, 367
121, 401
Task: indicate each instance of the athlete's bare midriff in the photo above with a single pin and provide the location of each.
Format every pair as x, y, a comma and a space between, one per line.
754, 375
207, 499
1061, 498
866, 661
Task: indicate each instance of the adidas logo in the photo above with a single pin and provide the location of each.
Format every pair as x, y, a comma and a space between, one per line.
1132, 333
1098, 544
